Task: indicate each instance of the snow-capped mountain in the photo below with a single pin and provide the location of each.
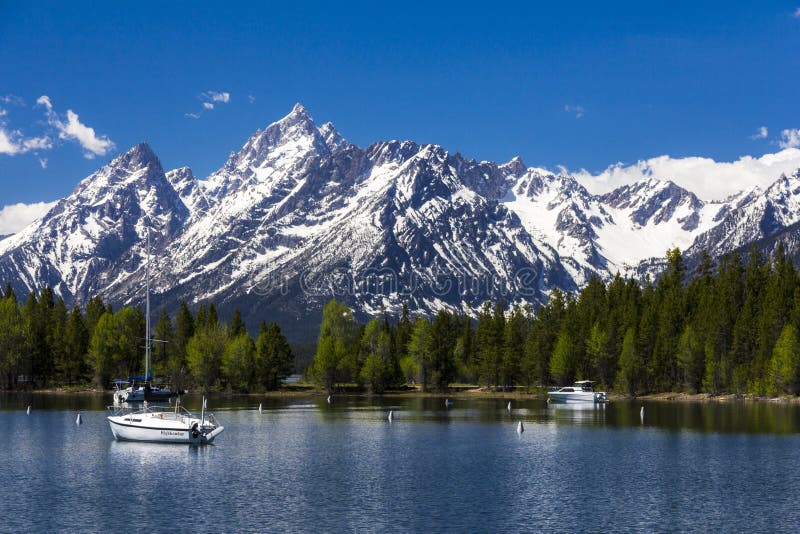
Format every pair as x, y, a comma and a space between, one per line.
753, 216
300, 215
92, 240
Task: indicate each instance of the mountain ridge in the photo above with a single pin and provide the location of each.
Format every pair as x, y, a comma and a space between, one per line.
299, 215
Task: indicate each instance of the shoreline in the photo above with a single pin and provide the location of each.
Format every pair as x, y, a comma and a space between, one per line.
672, 397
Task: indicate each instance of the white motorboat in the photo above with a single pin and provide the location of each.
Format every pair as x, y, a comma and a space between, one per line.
580, 391
163, 424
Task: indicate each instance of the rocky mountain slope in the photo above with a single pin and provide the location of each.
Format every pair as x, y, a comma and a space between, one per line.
300, 215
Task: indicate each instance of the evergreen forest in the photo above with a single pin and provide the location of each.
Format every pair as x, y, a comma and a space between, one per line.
43, 344
732, 327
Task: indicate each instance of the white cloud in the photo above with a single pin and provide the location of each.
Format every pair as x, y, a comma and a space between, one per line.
15, 217
43, 162
74, 130
790, 138
209, 100
707, 178
796, 13
761, 133
13, 142
7, 144
251, 99
44, 100
215, 96
578, 111
12, 100
93, 145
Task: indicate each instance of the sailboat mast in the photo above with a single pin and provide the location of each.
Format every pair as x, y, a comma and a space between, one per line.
147, 311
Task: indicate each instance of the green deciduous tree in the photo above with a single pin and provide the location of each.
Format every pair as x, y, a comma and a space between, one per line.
335, 360
204, 353
784, 368
238, 362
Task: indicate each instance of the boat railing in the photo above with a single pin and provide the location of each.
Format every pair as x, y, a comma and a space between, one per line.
173, 413
210, 420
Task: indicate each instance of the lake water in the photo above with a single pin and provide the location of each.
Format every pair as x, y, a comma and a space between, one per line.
304, 465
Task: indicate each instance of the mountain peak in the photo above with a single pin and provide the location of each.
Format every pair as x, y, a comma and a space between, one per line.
137, 157
298, 115
515, 166
332, 137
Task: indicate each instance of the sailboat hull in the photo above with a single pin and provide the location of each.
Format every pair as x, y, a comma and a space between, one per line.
153, 428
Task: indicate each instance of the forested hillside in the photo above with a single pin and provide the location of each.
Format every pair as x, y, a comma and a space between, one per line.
43, 344
732, 327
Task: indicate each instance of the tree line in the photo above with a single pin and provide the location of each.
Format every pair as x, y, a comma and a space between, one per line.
42, 343
733, 326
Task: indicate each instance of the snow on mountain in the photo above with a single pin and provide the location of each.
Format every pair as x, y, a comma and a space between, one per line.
557, 211
314, 220
753, 216
300, 215
93, 238
649, 217
188, 188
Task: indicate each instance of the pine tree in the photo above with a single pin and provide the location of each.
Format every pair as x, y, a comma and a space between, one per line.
691, 359
184, 330
516, 332
597, 354
57, 343
544, 333
463, 353
213, 317
76, 338
443, 341
563, 362
104, 349
416, 365
237, 326
403, 333
646, 336
95, 308
631, 365
201, 317
274, 358
164, 337
485, 350
9, 293
130, 332
12, 340
669, 301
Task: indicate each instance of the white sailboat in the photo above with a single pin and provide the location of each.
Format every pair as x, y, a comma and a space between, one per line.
164, 424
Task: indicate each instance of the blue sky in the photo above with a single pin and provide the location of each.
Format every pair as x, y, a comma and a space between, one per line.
577, 84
